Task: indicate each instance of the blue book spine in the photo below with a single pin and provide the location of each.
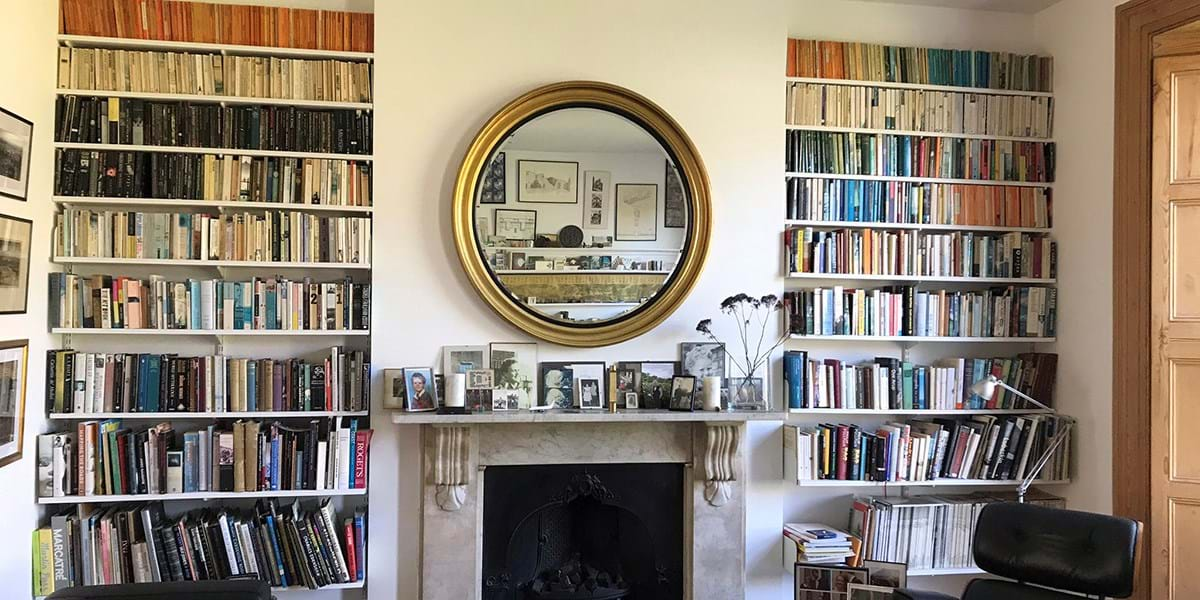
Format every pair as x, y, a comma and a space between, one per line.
271, 301
194, 305
275, 464
154, 370
793, 375
143, 381
924, 402
353, 441
190, 443
360, 533
274, 535
238, 322
252, 385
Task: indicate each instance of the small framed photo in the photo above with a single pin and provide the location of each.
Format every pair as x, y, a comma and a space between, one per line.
631, 399
815, 581
14, 366
858, 591
463, 359
702, 359
655, 384
589, 394
16, 237
515, 367
503, 399
745, 397
481, 379
547, 182
393, 389
421, 389
516, 224
596, 370
683, 393
557, 385
886, 574
16, 143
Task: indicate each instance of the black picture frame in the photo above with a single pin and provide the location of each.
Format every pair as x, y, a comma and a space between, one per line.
811, 579
22, 265
496, 222
494, 186
674, 198
629, 378
546, 367
617, 213
679, 400
26, 157
520, 188
655, 397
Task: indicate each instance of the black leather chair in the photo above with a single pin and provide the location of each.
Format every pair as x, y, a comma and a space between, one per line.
1041, 548
244, 589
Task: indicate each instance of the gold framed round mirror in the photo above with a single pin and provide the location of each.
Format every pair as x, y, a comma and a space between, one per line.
582, 213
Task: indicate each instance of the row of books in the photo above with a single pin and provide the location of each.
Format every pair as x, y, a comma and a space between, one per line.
819, 544
288, 546
892, 384
878, 62
97, 382
103, 458
982, 447
815, 104
273, 304
271, 236
103, 120
919, 156
1013, 311
927, 532
913, 253
203, 22
224, 177
145, 71
817, 199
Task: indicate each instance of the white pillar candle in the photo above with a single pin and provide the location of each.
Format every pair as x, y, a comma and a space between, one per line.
712, 393
456, 390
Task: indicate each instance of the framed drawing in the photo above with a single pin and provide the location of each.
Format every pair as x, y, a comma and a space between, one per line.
547, 182
16, 142
597, 193
674, 204
516, 224
493, 187
637, 212
16, 234
14, 358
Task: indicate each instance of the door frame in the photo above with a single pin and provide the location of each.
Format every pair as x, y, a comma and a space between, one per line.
1137, 22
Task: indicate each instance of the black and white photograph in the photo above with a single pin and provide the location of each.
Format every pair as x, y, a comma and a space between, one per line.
547, 182
597, 190
492, 190
14, 359
702, 359
515, 367
16, 142
636, 212
745, 397
558, 385
462, 359
675, 201
589, 394
655, 384
479, 389
506, 400
887, 574
683, 393
516, 224
596, 370
393, 389
16, 236
824, 582
858, 591
631, 400
420, 389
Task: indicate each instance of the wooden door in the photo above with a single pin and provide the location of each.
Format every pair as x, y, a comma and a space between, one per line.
1174, 550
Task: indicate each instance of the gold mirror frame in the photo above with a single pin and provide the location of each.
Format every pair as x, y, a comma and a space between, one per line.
585, 94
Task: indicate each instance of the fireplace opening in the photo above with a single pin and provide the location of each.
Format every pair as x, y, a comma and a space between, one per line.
574, 532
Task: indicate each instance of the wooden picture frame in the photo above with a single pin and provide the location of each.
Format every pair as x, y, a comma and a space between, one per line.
14, 386
16, 149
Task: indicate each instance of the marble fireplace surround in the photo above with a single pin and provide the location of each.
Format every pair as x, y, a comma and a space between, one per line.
457, 455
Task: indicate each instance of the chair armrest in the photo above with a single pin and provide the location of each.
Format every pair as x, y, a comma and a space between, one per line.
906, 594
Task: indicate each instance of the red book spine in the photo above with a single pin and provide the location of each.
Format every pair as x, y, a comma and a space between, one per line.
843, 450
362, 443
351, 559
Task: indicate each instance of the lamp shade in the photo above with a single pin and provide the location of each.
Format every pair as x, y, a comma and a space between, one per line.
985, 388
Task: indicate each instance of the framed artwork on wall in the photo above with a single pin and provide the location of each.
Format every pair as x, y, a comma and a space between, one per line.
14, 358
675, 204
547, 182
597, 193
16, 143
516, 224
493, 188
637, 212
515, 369
16, 235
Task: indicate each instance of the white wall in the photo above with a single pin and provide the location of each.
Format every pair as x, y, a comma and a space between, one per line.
27, 70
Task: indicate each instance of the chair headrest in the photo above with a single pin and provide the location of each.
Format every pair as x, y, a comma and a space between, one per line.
1064, 549
170, 590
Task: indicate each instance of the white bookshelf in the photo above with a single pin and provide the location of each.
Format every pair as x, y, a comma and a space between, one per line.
254, 414
913, 132
901, 178
216, 332
217, 99
797, 413
946, 482
202, 496
204, 150
86, 41
919, 86
921, 278
914, 226
206, 205
918, 339
186, 262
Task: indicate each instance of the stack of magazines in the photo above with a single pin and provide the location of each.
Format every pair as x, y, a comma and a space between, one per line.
821, 544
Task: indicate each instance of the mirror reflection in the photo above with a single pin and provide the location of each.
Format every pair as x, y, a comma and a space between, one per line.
581, 215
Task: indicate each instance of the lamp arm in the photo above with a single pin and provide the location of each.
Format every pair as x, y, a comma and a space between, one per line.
1055, 442
1022, 394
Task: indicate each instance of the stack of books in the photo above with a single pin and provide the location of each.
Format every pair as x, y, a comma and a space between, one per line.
816, 543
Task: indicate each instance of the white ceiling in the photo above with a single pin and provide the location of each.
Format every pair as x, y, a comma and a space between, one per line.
582, 130
1015, 6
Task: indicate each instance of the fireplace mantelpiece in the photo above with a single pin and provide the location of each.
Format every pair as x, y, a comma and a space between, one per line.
456, 458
